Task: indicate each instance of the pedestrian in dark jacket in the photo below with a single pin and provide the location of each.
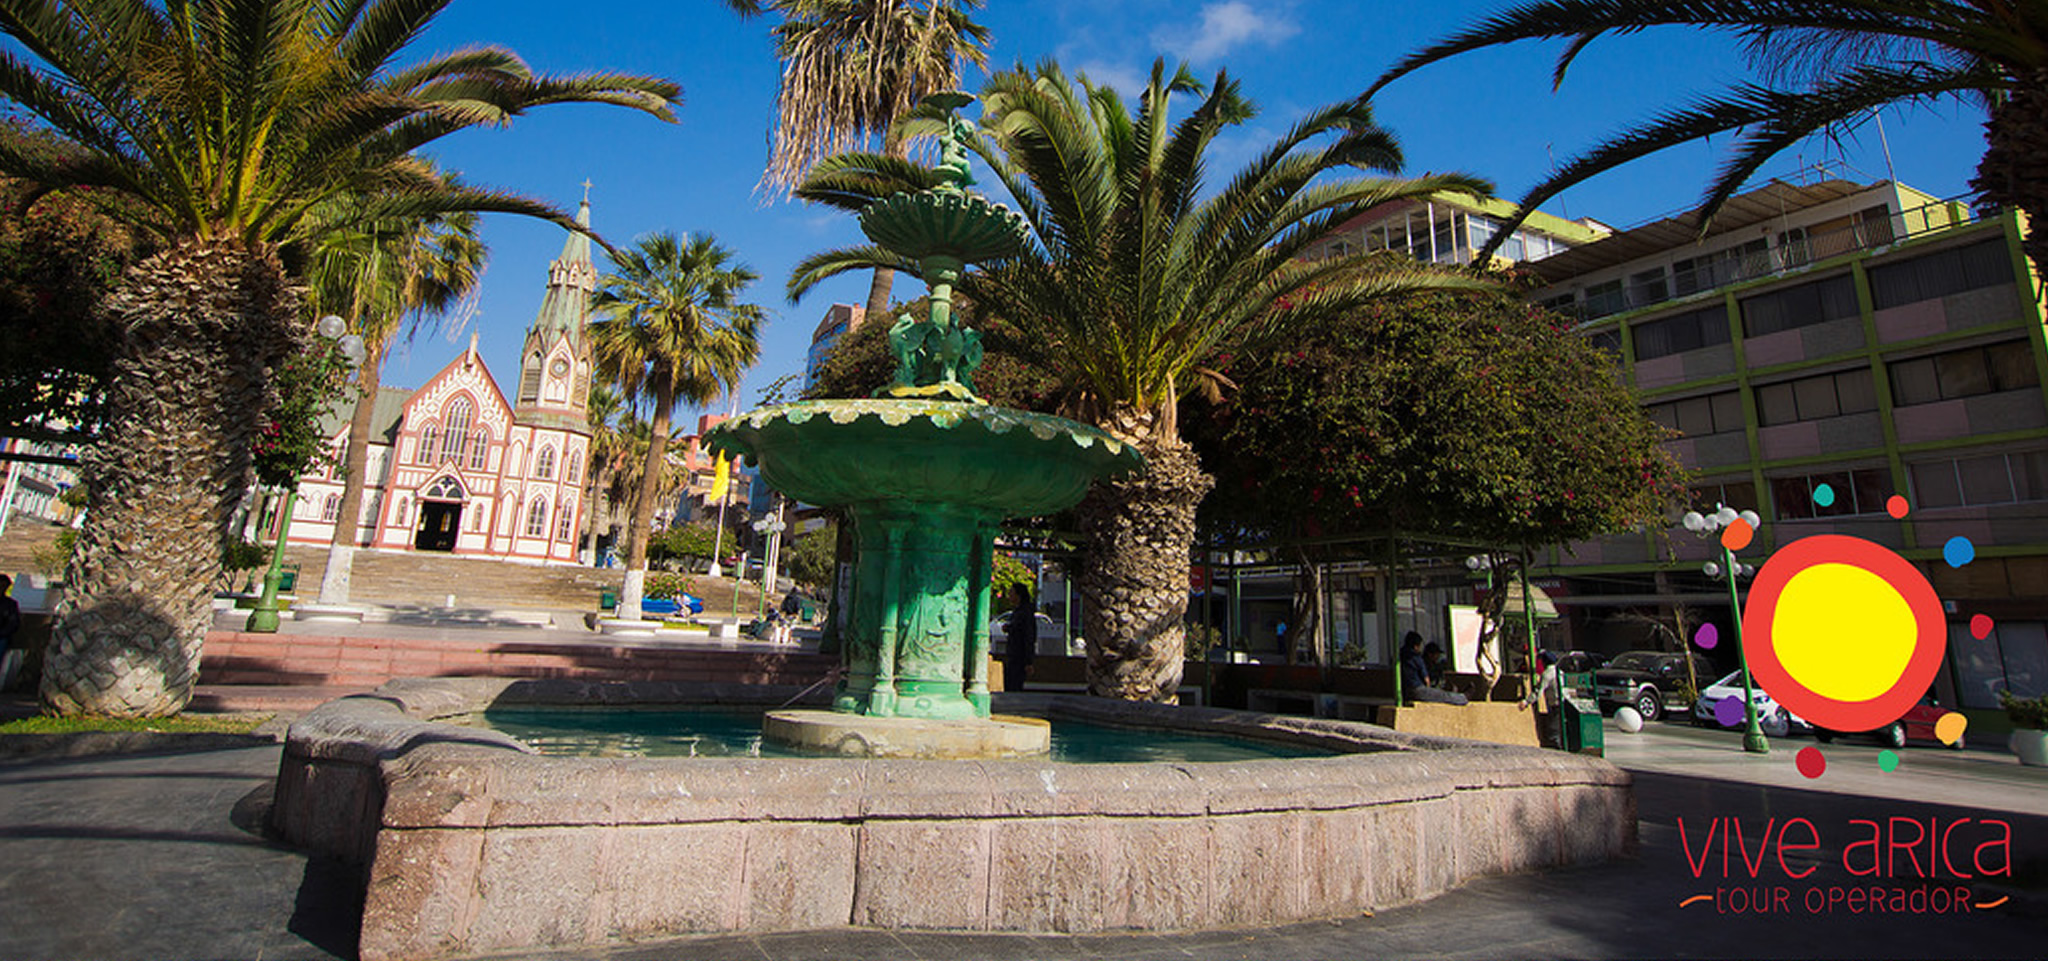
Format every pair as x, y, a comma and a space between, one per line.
1020, 638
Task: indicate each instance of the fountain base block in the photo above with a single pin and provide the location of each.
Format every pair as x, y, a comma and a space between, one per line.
850, 735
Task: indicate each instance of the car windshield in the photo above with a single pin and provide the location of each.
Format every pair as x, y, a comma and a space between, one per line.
1633, 662
1732, 680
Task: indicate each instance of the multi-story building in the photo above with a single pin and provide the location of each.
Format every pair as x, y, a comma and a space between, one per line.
1817, 350
1449, 228
839, 320
455, 466
36, 477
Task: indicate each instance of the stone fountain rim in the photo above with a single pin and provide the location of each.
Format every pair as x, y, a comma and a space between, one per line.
941, 414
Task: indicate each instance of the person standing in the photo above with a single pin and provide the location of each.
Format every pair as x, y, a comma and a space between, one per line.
10, 624
1547, 697
1020, 638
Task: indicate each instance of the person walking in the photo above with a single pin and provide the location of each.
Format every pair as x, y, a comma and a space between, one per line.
1547, 697
1020, 638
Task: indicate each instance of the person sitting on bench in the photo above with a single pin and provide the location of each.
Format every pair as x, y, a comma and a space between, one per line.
1416, 676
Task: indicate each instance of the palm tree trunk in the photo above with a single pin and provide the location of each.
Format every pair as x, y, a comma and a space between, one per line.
1140, 532
341, 552
201, 324
2014, 170
642, 530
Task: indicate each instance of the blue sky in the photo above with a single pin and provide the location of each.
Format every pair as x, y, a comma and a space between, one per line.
1490, 113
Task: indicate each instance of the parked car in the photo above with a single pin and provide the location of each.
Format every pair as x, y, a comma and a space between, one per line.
1771, 716
672, 605
1580, 662
1917, 725
1052, 638
1645, 680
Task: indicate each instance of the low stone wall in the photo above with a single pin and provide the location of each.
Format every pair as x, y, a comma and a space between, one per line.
476, 845
1501, 722
236, 657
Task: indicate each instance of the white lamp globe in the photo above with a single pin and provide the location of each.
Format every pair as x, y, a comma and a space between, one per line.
1726, 516
330, 326
1693, 521
1711, 569
1628, 720
1752, 518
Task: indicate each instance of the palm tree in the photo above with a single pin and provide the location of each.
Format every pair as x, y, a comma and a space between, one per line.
377, 277
850, 69
670, 329
1135, 278
607, 416
1828, 65
226, 127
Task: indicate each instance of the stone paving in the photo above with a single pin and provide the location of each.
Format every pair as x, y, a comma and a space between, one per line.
159, 856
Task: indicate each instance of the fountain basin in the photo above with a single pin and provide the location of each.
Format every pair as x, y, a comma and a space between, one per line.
473, 844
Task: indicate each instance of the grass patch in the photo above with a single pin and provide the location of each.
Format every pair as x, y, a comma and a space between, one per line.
182, 724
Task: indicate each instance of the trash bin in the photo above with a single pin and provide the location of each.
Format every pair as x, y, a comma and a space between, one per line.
810, 611
290, 579
1582, 731
607, 599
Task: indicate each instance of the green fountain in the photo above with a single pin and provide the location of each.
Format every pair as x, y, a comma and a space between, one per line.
926, 471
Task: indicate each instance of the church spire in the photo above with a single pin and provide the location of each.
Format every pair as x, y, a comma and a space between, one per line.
554, 374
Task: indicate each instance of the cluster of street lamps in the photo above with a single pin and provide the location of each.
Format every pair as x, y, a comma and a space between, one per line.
1716, 526
264, 617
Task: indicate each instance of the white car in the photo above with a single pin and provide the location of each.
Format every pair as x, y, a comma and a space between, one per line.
1771, 716
1052, 638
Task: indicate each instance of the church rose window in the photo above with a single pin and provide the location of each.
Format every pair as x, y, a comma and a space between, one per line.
544, 465
537, 518
455, 427
480, 447
429, 444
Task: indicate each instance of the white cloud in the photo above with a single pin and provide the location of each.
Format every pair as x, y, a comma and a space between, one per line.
1128, 81
1225, 27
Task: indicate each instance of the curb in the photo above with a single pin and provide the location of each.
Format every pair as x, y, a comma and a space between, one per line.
20, 747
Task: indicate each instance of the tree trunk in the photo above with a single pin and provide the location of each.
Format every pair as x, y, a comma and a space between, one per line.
642, 529
341, 552
1140, 533
2014, 170
201, 323
1306, 633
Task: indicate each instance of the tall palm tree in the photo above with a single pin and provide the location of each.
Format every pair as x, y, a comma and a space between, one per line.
607, 416
850, 70
1827, 65
671, 329
378, 277
1136, 277
225, 125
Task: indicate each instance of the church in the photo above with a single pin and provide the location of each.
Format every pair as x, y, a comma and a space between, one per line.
456, 467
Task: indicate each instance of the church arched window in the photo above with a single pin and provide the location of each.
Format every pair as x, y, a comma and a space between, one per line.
544, 464
574, 471
537, 518
479, 448
455, 428
564, 518
330, 510
430, 437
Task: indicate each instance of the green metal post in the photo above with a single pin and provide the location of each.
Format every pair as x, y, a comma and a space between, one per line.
1753, 739
1529, 618
263, 619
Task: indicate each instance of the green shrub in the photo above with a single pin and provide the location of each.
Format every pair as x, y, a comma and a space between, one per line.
661, 584
50, 560
2029, 713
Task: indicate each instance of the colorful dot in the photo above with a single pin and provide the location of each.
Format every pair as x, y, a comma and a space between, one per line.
1738, 535
1824, 495
1707, 636
1958, 551
1950, 727
1887, 761
1980, 626
1811, 762
1896, 507
1729, 711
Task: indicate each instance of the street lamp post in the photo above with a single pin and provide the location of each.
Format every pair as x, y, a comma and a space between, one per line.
263, 618
1709, 525
770, 527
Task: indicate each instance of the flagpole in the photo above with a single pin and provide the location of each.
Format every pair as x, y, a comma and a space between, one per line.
722, 488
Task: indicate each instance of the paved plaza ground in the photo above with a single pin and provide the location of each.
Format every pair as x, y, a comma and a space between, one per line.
161, 856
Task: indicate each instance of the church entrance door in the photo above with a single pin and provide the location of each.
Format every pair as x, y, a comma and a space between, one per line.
439, 523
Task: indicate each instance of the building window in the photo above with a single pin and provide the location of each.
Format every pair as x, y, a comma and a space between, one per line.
1648, 287
1981, 480
1606, 298
1801, 306
1740, 495
1700, 416
479, 448
330, 510
1963, 373
1695, 274
1979, 265
2013, 657
1815, 398
575, 469
544, 464
455, 428
537, 518
1859, 491
429, 445
404, 514
564, 518
1687, 331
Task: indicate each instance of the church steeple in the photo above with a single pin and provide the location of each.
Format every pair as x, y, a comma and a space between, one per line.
554, 367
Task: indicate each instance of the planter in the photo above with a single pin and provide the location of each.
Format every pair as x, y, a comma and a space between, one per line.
2031, 745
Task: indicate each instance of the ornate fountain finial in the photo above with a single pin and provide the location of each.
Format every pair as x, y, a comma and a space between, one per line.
944, 229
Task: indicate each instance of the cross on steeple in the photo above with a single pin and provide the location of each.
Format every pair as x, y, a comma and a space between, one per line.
586, 190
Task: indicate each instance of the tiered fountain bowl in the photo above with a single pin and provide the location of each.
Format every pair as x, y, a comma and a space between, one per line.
927, 473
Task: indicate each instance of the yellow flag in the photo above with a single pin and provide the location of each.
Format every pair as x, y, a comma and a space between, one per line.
721, 480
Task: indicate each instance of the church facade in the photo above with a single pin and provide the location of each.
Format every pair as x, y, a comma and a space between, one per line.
458, 467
